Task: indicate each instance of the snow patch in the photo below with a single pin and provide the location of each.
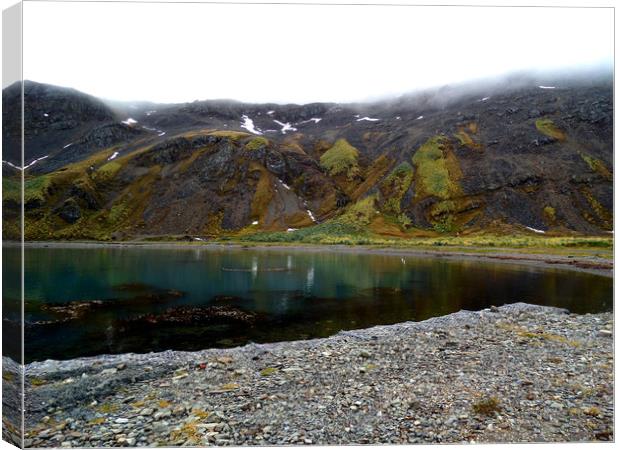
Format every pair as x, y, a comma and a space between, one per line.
34, 162
148, 113
546, 87
369, 119
397, 117
535, 230
9, 163
284, 184
311, 215
313, 119
248, 124
290, 230
156, 130
255, 222
114, 155
46, 115
130, 121
484, 99
198, 239
285, 126
420, 117
68, 145
270, 112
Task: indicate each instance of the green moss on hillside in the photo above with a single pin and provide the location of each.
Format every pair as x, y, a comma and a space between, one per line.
437, 176
341, 158
604, 216
548, 128
394, 186
549, 213
256, 143
11, 189
35, 189
597, 166
263, 193
437, 170
361, 212
108, 171
233, 135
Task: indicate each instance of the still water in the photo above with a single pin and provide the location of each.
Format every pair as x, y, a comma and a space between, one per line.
91, 301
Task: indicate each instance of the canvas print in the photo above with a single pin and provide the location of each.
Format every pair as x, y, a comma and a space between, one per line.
285, 224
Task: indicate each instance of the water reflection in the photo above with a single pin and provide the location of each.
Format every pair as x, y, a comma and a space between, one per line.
237, 296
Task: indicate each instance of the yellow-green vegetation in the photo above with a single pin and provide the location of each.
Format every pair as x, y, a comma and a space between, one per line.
229, 387
50, 189
340, 231
11, 189
361, 212
107, 408
341, 158
35, 189
371, 176
537, 334
8, 376
394, 187
200, 413
188, 432
596, 165
267, 371
548, 128
97, 421
604, 216
464, 138
592, 411
233, 135
487, 406
107, 171
256, 143
464, 135
37, 381
437, 170
549, 213
263, 193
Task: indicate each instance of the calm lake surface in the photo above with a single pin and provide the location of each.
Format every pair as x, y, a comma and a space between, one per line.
90, 301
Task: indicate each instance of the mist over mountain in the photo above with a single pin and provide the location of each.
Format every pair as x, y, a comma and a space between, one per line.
501, 154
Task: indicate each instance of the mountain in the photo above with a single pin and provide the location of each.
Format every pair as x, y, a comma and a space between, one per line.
501, 158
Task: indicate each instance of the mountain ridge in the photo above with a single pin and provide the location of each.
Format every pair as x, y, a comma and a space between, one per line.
535, 156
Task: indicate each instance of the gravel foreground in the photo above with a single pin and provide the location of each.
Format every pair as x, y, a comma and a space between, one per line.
518, 373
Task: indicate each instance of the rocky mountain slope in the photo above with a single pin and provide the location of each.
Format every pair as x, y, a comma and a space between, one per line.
532, 158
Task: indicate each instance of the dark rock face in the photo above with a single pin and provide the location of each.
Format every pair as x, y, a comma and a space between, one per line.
69, 211
198, 169
53, 117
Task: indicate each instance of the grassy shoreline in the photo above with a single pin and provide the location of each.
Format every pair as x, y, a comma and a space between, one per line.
561, 253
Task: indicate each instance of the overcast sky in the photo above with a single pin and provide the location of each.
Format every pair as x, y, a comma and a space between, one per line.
296, 53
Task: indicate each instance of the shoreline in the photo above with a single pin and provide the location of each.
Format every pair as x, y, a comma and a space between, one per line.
520, 256
455, 319
358, 386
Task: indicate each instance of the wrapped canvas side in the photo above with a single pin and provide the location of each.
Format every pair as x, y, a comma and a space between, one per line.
12, 228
